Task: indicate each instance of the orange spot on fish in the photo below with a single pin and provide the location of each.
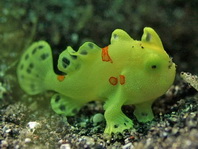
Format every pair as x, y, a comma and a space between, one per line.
122, 79
105, 55
60, 77
113, 80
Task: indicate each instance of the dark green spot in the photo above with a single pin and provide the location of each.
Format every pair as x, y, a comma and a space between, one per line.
83, 52
65, 60
62, 107
64, 65
40, 47
125, 124
44, 56
26, 56
115, 126
57, 99
34, 50
91, 45
73, 56
115, 36
28, 70
31, 65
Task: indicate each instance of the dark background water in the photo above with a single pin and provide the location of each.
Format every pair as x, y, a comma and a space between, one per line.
65, 22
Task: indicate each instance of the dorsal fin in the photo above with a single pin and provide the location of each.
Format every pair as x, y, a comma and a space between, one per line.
119, 34
70, 60
151, 37
88, 48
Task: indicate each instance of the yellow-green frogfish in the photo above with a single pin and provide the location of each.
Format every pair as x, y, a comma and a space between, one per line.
126, 72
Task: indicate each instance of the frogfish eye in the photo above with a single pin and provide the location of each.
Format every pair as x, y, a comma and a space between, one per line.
153, 63
154, 66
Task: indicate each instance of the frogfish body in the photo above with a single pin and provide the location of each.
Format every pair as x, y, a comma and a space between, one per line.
125, 72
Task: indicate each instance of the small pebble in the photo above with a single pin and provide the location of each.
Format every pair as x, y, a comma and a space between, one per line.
27, 140
65, 146
97, 118
4, 144
33, 126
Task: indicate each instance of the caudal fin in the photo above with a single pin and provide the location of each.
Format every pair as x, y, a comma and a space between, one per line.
34, 65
